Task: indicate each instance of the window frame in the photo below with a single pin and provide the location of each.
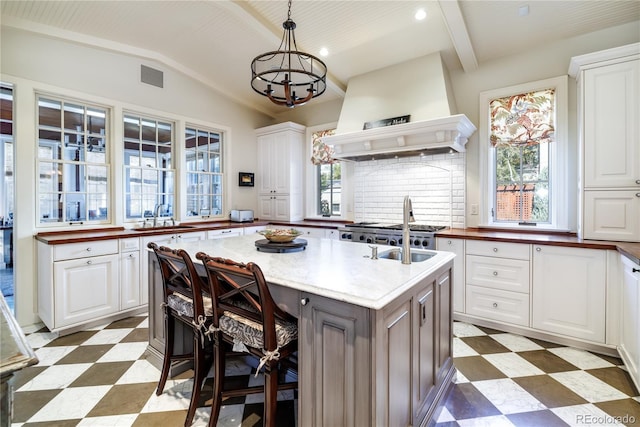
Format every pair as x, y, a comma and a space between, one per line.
558, 157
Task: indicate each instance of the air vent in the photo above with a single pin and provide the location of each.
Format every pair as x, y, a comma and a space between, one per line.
151, 76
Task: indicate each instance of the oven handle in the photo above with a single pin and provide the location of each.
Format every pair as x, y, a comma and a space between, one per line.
381, 240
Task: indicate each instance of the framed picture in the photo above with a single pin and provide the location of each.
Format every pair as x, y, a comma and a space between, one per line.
245, 179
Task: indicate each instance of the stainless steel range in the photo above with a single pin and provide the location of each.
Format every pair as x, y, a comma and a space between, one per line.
421, 236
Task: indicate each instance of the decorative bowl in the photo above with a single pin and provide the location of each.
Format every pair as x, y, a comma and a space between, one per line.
281, 235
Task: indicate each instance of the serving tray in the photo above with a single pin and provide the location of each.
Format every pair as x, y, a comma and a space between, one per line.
263, 245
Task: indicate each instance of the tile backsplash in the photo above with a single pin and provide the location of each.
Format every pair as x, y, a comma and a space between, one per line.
435, 184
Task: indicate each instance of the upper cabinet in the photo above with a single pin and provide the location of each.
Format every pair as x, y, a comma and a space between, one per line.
609, 130
280, 171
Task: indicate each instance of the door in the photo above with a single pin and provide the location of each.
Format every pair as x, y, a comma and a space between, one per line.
7, 195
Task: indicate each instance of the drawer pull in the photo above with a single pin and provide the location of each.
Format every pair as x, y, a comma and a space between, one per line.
304, 301
495, 273
495, 305
637, 194
449, 242
89, 262
538, 249
495, 249
635, 270
130, 255
88, 249
637, 181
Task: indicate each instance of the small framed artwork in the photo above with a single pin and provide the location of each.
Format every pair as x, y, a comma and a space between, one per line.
245, 179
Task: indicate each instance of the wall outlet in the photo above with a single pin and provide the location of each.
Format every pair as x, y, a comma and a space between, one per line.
474, 209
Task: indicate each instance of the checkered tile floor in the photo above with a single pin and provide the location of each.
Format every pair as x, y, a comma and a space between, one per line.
100, 377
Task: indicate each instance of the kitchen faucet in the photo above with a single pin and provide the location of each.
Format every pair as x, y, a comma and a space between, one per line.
407, 217
156, 214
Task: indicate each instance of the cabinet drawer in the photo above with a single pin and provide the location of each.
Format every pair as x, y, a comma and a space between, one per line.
498, 273
85, 249
498, 249
130, 244
504, 306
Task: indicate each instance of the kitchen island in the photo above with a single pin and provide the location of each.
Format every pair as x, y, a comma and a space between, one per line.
375, 336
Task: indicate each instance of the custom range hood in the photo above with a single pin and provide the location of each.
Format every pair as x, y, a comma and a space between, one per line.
418, 88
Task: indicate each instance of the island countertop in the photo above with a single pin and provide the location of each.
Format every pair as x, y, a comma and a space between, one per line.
331, 268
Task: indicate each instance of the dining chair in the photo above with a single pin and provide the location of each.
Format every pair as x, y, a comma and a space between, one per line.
246, 316
186, 300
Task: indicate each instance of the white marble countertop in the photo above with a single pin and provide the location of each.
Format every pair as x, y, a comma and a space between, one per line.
334, 269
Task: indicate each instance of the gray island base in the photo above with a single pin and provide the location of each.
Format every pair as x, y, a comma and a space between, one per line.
375, 336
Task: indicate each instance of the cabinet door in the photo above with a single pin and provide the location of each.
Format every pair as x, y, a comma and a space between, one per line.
569, 290
334, 351
611, 125
458, 284
630, 322
426, 347
85, 289
445, 326
131, 291
612, 215
332, 234
194, 236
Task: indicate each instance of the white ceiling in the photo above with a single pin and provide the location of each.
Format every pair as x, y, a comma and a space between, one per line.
215, 41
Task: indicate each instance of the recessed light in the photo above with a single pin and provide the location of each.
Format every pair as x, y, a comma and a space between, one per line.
523, 10
324, 51
420, 14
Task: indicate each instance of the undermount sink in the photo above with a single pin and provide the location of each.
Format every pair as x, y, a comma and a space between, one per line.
163, 227
416, 255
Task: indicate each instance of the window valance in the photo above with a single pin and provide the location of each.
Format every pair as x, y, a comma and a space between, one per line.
322, 153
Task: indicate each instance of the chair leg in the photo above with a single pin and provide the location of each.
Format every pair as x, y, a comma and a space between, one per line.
218, 380
169, 328
199, 372
270, 394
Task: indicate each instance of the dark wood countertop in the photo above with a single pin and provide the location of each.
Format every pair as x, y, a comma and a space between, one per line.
629, 249
109, 233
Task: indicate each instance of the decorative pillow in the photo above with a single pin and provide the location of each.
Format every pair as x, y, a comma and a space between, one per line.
184, 305
250, 333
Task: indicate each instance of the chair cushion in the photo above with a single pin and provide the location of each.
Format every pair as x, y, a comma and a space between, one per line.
184, 304
250, 333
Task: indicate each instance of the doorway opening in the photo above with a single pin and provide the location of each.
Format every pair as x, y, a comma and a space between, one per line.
7, 191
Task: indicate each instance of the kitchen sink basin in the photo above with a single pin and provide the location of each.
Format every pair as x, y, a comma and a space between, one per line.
163, 227
416, 255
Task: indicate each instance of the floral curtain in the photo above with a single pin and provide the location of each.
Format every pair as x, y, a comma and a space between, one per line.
523, 119
322, 153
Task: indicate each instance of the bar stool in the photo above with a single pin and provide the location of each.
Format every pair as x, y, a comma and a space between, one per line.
187, 300
245, 315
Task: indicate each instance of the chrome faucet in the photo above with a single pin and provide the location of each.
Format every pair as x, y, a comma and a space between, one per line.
156, 214
407, 217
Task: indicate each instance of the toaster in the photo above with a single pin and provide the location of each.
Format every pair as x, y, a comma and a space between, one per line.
237, 215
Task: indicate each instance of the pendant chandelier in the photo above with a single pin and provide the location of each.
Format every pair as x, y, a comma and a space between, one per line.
287, 76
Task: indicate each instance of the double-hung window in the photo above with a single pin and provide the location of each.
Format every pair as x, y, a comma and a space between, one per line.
148, 164
523, 146
73, 161
203, 151
328, 176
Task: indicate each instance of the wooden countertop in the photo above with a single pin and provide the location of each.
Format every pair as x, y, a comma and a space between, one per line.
108, 233
629, 249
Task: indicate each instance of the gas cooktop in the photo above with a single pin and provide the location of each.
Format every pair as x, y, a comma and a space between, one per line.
384, 226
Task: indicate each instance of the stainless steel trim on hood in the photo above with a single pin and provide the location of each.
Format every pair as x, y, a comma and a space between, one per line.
430, 136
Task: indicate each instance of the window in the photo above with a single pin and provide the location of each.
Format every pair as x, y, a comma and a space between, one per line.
148, 163
328, 176
73, 168
203, 151
6, 153
524, 139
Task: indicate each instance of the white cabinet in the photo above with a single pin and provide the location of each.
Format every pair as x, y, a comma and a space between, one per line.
569, 291
332, 234
609, 129
497, 281
132, 293
77, 282
280, 171
252, 230
630, 319
226, 232
457, 247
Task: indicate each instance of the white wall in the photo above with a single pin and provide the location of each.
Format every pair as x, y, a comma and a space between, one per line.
37, 63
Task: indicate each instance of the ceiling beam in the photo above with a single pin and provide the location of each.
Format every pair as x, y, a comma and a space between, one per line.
459, 35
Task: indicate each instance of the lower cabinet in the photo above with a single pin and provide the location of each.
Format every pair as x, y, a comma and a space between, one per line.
85, 289
458, 283
569, 291
132, 290
392, 365
630, 319
226, 232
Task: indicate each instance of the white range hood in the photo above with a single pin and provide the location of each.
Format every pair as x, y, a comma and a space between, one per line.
418, 88
407, 139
